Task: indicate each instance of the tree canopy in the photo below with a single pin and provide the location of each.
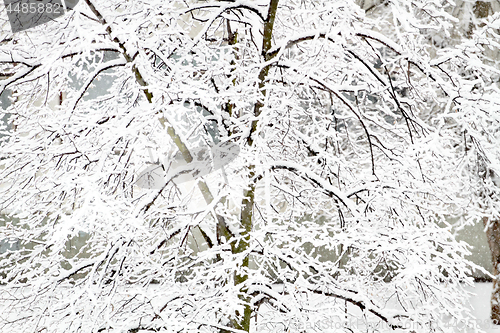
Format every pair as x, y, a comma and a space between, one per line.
354, 135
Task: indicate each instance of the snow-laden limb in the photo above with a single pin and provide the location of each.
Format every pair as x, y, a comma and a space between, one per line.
331, 190
330, 35
101, 68
227, 5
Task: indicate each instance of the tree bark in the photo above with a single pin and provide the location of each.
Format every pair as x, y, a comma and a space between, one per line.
481, 10
241, 245
493, 236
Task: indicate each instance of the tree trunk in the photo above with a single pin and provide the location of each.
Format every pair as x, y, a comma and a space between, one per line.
241, 247
493, 236
242, 321
481, 10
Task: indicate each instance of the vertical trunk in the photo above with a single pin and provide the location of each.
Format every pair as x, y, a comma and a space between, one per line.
481, 10
242, 321
266, 46
241, 246
493, 236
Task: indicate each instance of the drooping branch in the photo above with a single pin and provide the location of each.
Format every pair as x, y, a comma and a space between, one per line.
97, 72
350, 296
318, 181
223, 6
351, 108
362, 305
311, 35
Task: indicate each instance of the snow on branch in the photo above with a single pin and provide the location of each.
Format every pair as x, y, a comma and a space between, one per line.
227, 5
327, 188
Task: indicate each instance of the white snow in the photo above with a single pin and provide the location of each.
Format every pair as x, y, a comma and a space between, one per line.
481, 306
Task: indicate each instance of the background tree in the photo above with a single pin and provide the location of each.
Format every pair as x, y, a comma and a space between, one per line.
475, 30
356, 135
481, 27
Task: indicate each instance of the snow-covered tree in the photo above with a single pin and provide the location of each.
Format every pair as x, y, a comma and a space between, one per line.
344, 141
483, 30
478, 22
